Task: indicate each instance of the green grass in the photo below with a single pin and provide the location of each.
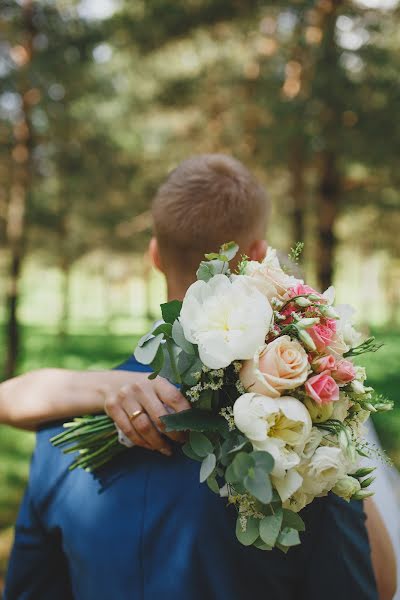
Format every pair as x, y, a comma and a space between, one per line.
101, 350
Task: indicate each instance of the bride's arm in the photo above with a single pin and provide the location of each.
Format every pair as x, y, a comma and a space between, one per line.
31, 399
382, 552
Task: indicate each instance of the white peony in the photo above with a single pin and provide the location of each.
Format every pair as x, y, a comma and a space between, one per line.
269, 277
280, 426
325, 468
280, 365
228, 320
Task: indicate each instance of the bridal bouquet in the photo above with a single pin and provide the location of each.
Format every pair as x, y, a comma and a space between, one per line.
278, 403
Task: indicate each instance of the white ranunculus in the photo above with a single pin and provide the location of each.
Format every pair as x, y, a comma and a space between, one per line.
314, 440
341, 407
325, 468
280, 426
228, 320
280, 365
298, 501
344, 326
269, 277
287, 485
346, 487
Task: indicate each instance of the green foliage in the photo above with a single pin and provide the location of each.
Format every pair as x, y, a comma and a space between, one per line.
195, 420
270, 527
171, 311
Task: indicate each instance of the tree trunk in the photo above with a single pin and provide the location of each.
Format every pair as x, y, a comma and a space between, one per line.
21, 176
298, 193
328, 209
329, 181
63, 324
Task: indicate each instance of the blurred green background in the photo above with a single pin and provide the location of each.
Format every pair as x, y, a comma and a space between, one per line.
99, 99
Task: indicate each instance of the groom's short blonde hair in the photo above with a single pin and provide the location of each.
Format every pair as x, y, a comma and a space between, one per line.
208, 200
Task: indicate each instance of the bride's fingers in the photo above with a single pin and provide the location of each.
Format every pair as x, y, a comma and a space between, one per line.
136, 399
113, 408
155, 408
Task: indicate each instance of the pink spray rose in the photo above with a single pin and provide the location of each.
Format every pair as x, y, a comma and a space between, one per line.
324, 363
322, 333
322, 388
301, 290
344, 371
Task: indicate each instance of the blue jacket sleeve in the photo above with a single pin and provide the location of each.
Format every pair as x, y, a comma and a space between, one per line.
37, 568
339, 560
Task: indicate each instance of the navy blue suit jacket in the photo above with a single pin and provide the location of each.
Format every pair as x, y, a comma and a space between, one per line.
146, 528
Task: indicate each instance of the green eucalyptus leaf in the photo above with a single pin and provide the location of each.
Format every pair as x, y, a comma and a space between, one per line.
189, 452
229, 250
270, 527
248, 537
205, 399
241, 465
194, 367
259, 485
261, 545
213, 485
284, 549
165, 328
289, 537
179, 338
264, 460
200, 443
146, 353
205, 271
171, 310
158, 362
207, 467
293, 520
212, 256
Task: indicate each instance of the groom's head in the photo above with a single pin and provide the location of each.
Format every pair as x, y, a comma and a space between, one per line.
206, 201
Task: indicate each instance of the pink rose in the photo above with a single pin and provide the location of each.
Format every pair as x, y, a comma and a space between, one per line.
322, 388
301, 290
324, 363
323, 333
344, 371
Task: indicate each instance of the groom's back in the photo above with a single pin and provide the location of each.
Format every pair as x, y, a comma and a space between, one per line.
147, 528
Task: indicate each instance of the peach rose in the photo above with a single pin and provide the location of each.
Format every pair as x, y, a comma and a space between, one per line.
324, 363
278, 366
344, 371
322, 388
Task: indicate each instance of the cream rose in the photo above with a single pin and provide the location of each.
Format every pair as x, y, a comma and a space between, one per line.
281, 365
269, 277
228, 320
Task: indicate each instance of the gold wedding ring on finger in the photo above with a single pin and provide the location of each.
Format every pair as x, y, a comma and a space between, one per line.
135, 415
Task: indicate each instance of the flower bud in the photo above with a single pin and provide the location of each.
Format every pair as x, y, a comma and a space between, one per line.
363, 472
328, 311
319, 412
306, 323
362, 494
307, 340
347, 487
303, 302
367, 482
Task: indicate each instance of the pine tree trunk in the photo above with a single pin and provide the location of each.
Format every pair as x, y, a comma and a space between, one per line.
298, 193
329, 182
20, 184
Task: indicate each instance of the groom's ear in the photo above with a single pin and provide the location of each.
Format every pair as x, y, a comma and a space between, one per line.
155, 257
257, 250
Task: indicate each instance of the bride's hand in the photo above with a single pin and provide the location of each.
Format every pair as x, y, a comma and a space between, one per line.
137, 408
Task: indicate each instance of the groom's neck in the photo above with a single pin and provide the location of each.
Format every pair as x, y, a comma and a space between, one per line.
176, 288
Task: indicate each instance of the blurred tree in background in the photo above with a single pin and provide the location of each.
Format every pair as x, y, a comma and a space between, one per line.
99, 99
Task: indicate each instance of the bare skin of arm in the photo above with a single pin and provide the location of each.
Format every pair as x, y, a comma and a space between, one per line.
34, 398
382, 552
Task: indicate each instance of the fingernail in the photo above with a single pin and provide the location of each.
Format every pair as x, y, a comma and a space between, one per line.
166, 451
